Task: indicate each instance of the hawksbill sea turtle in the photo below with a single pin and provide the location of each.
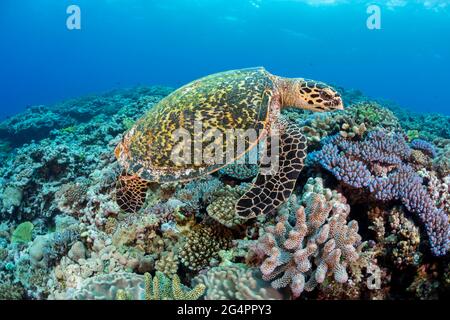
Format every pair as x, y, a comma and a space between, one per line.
233, 101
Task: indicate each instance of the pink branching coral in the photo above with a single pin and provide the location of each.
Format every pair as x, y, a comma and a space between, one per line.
309, 243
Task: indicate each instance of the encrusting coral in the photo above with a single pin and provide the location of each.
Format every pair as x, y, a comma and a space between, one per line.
108, 286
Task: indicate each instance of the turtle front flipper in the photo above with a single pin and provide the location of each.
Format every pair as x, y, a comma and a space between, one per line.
273, 187
131, 192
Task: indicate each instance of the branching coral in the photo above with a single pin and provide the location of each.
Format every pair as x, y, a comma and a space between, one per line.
203, 244
424, 146
397, 237
167, 263
352, 122
35, 123
304, 246
197, 192
11, 291
162, 287
59, 245
379, 164
72, 196
439, 189
222, 208
405, 185
240, 171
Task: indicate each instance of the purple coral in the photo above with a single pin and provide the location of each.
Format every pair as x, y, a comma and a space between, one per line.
351, 172
379, 147
357, 165
405, 185
425, 147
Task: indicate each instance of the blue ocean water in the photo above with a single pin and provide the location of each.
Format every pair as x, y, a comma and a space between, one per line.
170, 42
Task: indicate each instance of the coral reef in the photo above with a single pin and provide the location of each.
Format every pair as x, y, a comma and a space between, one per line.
427, 284
131, 286
352, 122
429, 126
376, 200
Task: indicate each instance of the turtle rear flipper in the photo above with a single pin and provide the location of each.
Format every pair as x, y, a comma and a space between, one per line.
272, 188
131, 192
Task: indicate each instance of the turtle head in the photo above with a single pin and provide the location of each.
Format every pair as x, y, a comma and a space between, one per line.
311, 95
